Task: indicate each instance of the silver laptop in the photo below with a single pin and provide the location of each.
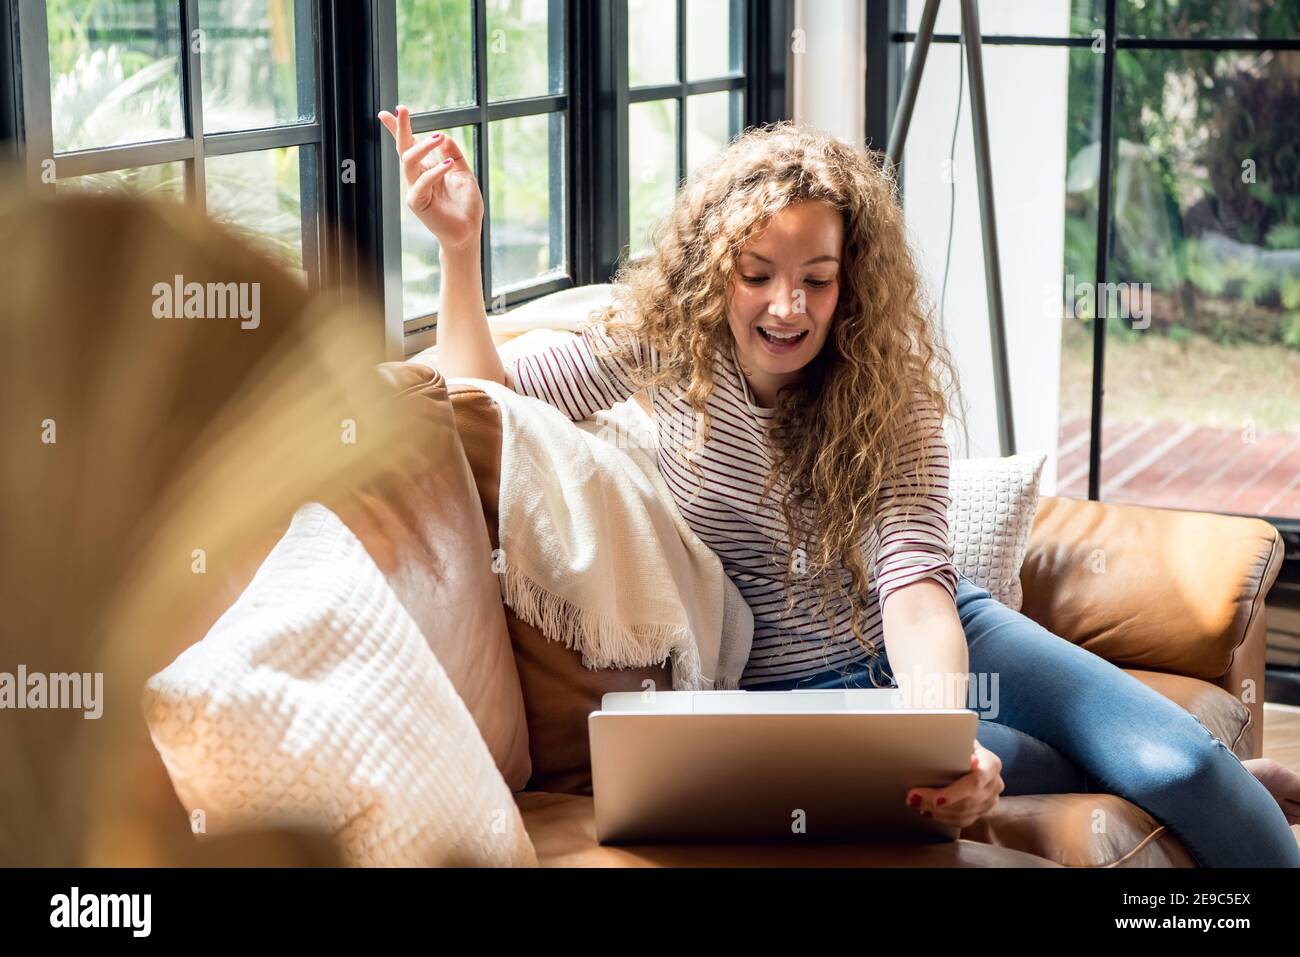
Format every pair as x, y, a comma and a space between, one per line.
758, 766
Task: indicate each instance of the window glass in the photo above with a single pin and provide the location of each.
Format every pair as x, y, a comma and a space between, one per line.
712, 119
652, 166
525, 48
651, 42
255, 73
114, 73
713, 41
435, 54
260, 194
1202, 372
164, 181
527, 183
1203, 19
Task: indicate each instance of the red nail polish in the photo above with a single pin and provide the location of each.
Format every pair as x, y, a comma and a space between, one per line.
916, 800
941, 801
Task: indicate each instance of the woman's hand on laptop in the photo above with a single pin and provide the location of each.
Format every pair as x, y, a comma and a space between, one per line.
969, 798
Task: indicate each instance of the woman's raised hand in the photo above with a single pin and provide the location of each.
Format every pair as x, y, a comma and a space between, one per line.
443, 194
969, 798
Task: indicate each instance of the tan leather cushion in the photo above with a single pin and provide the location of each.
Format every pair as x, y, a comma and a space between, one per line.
1159, 589
423, 527
563, 830
1080, 830
559, 692
1071, 830
1162, 589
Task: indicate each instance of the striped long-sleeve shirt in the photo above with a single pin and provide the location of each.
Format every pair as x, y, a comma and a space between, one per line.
746, 531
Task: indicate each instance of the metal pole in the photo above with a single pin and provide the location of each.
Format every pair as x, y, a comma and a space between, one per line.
984, 182
903, 114
970, 28
1100, 315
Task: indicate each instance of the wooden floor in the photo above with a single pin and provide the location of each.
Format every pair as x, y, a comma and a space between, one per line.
1282, 739
1171, 465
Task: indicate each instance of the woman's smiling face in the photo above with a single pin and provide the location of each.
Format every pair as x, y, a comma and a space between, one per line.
783, 296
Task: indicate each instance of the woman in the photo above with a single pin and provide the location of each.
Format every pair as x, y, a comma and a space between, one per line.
779, 326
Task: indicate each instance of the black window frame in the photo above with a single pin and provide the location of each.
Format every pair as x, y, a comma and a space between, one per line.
29, 46
358, 241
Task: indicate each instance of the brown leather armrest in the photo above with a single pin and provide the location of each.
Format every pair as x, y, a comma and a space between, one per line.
1161, 589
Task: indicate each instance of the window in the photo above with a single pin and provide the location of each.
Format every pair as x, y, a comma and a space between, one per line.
593, 115
491, 75
686, 97
263, 112
1150, 236
208, 101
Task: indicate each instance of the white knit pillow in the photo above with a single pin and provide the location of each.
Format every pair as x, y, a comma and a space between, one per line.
316, 700
992, 508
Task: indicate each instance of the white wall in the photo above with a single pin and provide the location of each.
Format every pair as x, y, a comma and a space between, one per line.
830, 74
1026, 99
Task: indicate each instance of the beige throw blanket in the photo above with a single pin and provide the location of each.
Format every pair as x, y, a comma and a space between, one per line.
595, 553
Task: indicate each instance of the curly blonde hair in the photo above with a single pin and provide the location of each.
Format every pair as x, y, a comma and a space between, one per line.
838, 432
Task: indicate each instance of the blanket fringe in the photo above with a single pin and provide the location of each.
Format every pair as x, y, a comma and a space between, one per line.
604, 642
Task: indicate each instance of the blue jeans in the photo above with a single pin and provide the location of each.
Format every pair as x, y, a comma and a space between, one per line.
1068, 721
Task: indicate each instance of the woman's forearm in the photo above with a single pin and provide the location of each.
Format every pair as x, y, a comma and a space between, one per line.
926, 645
465, 346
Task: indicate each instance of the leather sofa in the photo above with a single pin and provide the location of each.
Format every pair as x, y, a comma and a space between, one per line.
1176, 598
